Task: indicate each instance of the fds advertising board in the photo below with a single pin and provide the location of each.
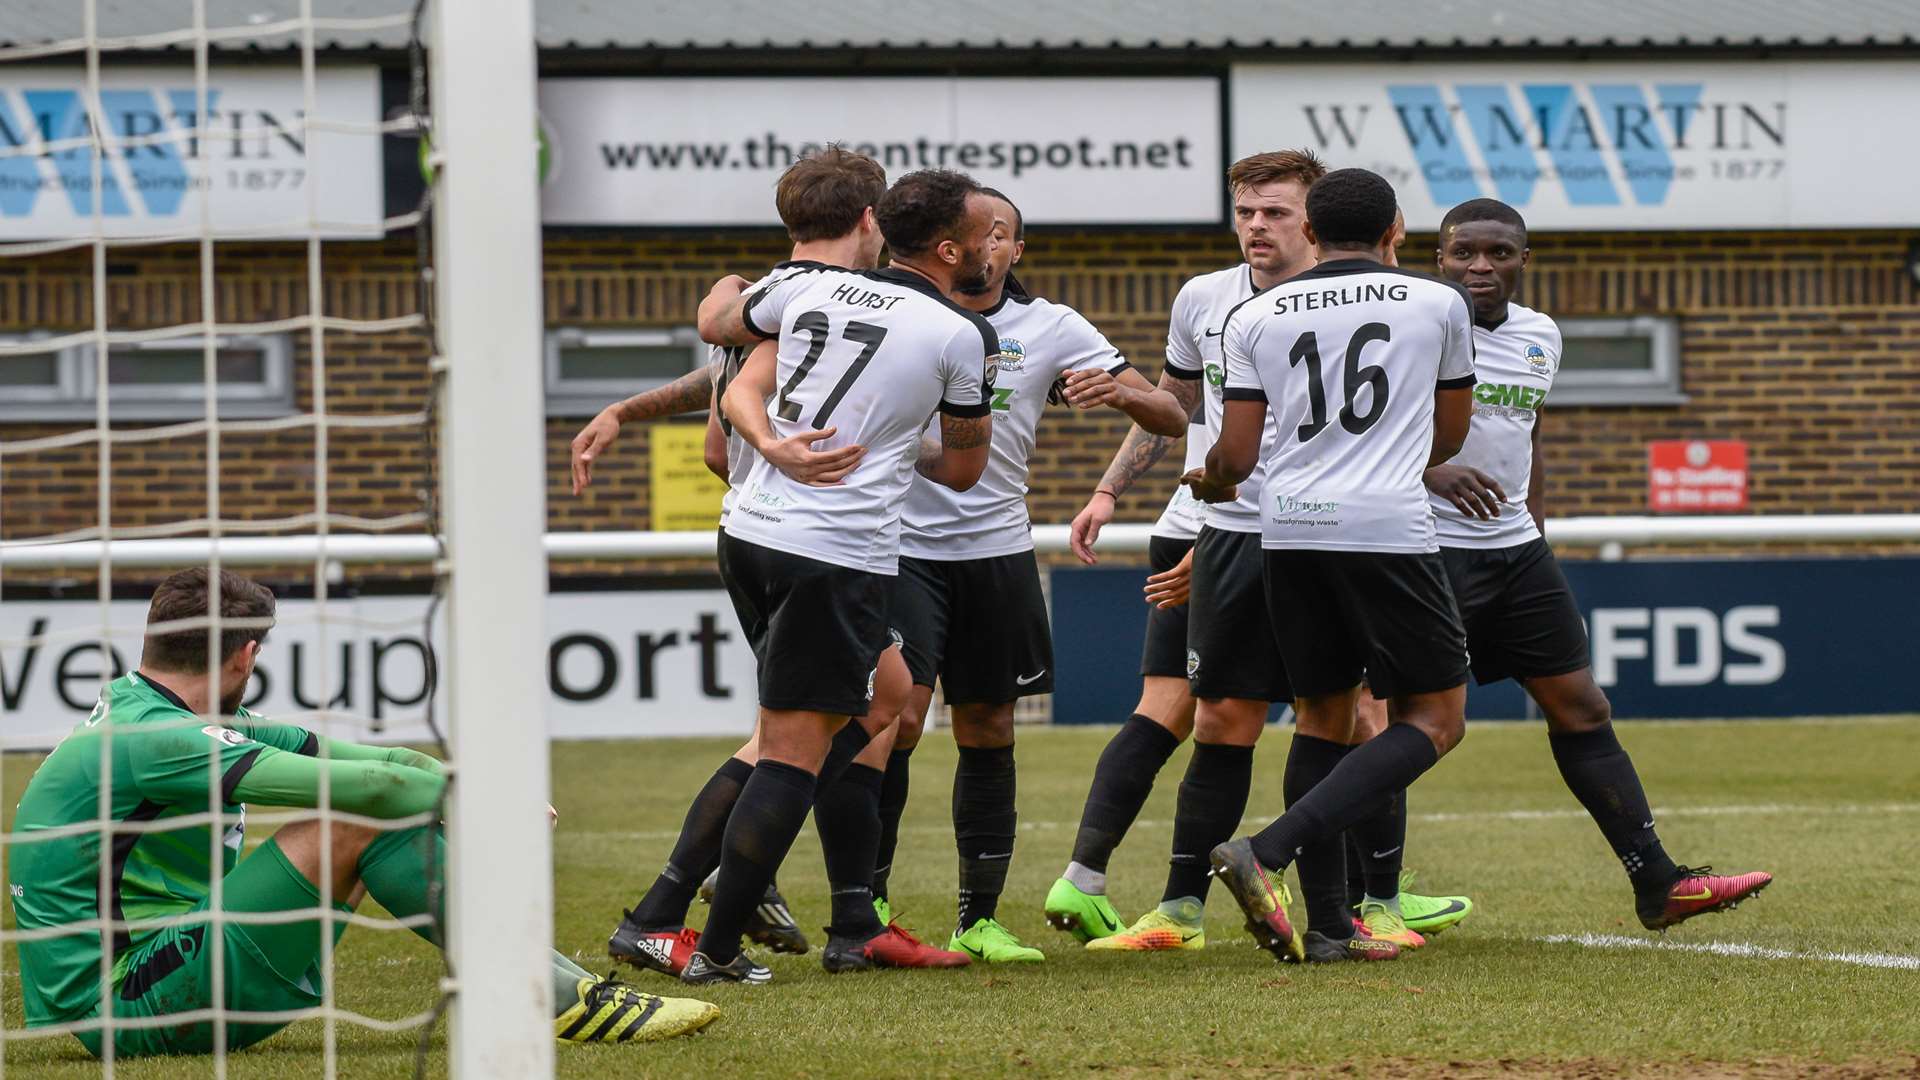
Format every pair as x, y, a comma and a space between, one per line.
1643, 145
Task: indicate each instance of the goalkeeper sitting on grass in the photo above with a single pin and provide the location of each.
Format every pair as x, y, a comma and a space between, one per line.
178, 734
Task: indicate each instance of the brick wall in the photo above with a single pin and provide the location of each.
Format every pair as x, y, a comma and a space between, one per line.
1807, 345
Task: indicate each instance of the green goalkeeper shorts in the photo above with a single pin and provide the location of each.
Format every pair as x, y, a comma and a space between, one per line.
270, 968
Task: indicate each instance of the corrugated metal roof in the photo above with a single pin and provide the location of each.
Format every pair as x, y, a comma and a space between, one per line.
1204, 24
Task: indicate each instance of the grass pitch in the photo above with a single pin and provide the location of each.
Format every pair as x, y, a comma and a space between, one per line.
1552, 974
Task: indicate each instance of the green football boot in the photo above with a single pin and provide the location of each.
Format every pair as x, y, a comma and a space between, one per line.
1087, 916
989, 942
1429, 915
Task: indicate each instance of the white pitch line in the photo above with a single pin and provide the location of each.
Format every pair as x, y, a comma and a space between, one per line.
1748, 810
1894, 961
1745, 810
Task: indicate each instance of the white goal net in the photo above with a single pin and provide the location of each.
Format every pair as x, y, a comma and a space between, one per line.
182, 376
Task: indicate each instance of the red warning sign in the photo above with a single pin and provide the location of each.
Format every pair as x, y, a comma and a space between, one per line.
1696, 476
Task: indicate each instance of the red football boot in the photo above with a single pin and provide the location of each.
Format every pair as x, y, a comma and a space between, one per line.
664, 951
894, 947
1698, 891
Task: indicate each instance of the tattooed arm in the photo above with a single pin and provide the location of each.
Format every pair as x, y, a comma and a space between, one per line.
688, 393
692, 392
961, 456
1139, 452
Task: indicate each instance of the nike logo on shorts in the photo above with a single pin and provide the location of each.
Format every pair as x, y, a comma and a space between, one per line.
1029, 680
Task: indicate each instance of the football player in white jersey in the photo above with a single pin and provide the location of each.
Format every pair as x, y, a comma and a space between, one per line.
1521, 619
968, 601
871, 354
1231, 657
1366, 371
825, 200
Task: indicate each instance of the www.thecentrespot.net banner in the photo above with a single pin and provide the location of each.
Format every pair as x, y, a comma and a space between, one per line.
704, 151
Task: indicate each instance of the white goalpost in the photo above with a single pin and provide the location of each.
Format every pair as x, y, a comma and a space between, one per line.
487, 251
485, 516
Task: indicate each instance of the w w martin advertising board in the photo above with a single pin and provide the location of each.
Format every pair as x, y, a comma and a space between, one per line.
1645, 145
248, 160
707, 151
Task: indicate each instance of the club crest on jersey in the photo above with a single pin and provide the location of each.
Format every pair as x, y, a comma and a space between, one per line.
1013, 355
1537, 358
224, 734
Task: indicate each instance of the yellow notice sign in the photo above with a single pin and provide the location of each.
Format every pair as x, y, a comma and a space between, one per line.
685, 494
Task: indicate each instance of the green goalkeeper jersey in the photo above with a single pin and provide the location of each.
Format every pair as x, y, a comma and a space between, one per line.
163, 763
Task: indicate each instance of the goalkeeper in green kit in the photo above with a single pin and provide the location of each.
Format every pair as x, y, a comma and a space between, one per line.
178, 737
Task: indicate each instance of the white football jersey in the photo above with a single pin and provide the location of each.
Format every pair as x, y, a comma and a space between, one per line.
1184, 515
1039, 341
1347, 356
1515, 362
725, 361
873, 354
1200, 312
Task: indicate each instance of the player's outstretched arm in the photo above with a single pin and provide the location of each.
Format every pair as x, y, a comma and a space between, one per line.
965, 442
688, 393
1139, 452
342, 750
1452, 419
1154, 409
372, 788
1233, 455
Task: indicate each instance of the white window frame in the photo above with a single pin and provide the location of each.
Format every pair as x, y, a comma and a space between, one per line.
79, 381
1659, 386
28, 401
586, 397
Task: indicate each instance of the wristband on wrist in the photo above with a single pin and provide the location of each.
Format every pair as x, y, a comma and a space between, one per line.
1108, 492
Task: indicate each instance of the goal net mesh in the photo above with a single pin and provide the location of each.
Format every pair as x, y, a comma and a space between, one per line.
124, 177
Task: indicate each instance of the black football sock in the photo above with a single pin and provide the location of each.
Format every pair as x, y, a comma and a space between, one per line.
695, 853
1380, 840
1356, 873
1601, 775
1390, 761
1322, 862
1213, 796
772, 808
1121, 783
893, 804
847, 813
983, 828
847, 744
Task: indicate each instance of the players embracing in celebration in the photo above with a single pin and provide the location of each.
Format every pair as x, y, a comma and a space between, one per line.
834, 413
968, 600
1520, 616
827, 203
